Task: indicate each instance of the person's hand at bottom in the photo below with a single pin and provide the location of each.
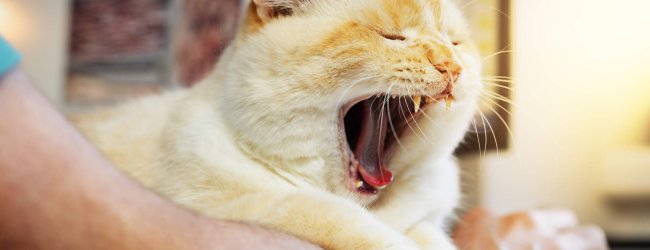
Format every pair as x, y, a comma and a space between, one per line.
535, 229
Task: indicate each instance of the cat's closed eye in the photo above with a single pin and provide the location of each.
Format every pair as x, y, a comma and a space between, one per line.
392, 36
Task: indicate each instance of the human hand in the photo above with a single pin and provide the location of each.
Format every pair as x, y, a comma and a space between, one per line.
535, 229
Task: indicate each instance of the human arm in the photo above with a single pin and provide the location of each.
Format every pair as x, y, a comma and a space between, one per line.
58, 192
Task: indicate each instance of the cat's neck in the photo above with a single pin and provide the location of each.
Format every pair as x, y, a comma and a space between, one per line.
226, 139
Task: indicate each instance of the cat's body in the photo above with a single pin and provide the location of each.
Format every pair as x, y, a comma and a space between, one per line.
262, 139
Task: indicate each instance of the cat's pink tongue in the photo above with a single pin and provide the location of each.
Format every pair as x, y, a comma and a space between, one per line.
370, 147
379, 177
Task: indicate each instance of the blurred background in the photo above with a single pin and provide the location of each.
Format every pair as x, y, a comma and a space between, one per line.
577, 105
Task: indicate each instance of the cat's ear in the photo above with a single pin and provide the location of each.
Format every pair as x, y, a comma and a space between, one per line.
269, 9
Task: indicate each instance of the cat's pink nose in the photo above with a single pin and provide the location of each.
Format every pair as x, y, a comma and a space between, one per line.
450, 70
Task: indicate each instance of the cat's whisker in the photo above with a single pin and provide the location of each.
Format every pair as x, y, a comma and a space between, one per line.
390, 119
498, 80
499, 106
478, 139
373, 101
383, 105
473, 130
499, 97
406, 119
484, 134
433, 122
497, 77
415, 121
487, 121
423, 93
496, 95
498, 85
503, 120
492, 100
503, 13
429, 118
488, 57
505, 83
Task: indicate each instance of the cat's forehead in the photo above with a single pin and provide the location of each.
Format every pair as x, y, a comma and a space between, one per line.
402, 14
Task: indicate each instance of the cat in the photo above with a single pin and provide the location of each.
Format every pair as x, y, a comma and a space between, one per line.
331, 120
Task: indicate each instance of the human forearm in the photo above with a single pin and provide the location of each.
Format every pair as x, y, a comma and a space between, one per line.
55, 185
59, 193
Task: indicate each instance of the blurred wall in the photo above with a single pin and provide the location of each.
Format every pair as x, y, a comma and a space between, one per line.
39, 30
582, 91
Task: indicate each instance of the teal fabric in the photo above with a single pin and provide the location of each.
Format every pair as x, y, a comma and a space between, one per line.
8, 57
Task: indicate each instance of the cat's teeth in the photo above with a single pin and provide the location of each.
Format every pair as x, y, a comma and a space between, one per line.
416, 101
429, 99
359, 183
448, 100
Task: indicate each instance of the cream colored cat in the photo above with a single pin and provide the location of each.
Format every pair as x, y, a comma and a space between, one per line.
325, 119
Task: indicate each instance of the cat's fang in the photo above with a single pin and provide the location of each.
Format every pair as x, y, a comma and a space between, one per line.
358, 184
448, 101
416, 102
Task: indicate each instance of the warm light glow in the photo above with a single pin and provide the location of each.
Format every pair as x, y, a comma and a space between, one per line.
581, 92
4, 19
13, 22
2, 14
38, 30
620, 46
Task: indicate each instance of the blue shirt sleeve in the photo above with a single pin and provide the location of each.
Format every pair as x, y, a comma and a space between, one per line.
8, 57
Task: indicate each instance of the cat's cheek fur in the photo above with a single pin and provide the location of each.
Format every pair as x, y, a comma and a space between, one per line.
438, 134
432, 192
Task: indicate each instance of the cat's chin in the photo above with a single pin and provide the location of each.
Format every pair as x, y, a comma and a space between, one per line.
370, 128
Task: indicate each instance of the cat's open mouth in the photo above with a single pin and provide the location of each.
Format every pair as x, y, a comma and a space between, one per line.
372, 129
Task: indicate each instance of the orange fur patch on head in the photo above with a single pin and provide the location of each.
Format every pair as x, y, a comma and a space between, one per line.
402, 13
336, 41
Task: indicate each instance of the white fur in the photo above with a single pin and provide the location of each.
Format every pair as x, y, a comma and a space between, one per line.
258, 140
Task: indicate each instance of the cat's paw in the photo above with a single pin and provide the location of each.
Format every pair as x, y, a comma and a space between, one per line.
429, 237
